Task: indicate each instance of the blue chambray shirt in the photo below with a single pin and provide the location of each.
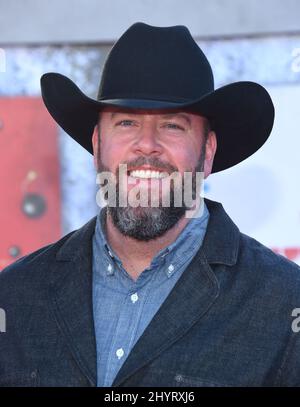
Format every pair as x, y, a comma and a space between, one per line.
123, 307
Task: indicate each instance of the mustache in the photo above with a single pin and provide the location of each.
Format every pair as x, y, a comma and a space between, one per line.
151, 161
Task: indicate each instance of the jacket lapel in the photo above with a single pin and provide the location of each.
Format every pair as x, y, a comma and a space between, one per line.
71, 298
191, 297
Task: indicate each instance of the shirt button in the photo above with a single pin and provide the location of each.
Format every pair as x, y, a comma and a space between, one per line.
120, 353
110, 253
178, 378
170, 269
110, 269
134, 297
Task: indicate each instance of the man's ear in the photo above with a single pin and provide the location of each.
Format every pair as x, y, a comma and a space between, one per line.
95, 141
210, 151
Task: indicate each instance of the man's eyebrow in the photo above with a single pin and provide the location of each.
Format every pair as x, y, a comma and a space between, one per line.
113, 114
174, 115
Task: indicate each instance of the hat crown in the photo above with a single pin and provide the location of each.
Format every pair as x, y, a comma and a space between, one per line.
156, 63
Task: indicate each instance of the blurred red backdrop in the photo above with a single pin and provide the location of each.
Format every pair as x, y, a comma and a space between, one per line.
29, 178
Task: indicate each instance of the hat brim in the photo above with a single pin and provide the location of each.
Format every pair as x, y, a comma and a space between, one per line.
241, 114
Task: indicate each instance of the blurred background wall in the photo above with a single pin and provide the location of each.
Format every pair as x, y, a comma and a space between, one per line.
256, 40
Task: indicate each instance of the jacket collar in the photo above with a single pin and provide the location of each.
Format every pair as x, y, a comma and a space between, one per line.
221, 241
70, 298
220, 244
71, 295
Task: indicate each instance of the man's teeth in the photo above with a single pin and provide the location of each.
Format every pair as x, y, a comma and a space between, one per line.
148, 174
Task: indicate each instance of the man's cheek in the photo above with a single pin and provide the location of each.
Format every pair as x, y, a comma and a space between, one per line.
108, 158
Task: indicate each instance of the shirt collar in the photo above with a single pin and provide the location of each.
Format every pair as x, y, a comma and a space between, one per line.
172, 254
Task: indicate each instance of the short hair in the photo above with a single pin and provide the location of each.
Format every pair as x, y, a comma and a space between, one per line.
207, 128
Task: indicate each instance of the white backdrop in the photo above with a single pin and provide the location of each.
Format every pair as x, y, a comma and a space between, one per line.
262, 194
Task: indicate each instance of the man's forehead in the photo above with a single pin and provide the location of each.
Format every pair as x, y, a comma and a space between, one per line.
112, 111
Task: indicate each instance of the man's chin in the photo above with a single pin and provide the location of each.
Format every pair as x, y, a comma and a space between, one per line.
145, 223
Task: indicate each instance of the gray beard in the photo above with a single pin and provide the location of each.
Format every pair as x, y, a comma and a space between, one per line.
147, 223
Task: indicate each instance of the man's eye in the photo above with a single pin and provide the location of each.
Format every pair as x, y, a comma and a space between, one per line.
174, 126
125, 123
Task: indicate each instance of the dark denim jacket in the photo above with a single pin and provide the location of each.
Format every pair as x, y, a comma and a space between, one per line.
227, 322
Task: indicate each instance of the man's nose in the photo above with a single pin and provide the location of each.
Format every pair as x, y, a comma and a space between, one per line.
147, 141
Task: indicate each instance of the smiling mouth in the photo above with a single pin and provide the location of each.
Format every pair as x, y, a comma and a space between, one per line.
146, 174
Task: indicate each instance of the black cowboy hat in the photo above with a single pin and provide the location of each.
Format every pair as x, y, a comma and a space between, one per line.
163, 68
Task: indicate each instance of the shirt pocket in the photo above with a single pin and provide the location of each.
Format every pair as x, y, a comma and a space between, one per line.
20, 379
191, 381
166, 378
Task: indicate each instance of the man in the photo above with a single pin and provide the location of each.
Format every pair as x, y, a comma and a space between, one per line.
146, 295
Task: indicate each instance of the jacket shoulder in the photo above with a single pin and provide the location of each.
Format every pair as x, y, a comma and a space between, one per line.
28, 264
268, 264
